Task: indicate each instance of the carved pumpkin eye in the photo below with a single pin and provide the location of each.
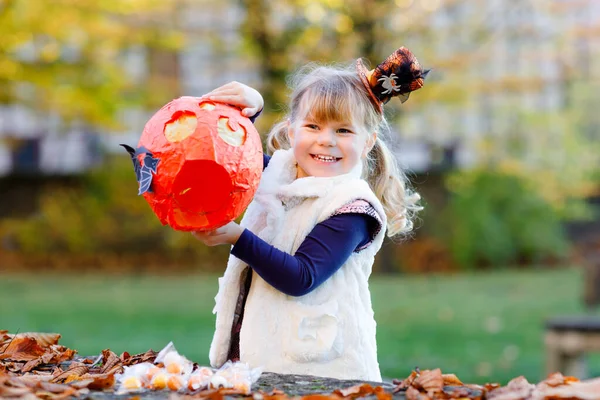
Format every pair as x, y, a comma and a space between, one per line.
207, 105
182, 125
233, 137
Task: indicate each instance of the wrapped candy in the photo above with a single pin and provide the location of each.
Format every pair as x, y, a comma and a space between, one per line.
174, 362
198, 163
173, 372
133, 378
200, 379
238, 376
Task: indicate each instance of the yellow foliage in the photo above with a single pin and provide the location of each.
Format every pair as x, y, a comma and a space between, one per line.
69, 50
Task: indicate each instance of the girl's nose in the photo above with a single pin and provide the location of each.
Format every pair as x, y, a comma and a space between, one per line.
326, 137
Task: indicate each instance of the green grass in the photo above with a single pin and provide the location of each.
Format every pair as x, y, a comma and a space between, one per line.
483, 327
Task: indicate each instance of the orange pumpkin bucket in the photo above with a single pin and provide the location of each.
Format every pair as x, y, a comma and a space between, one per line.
198, 163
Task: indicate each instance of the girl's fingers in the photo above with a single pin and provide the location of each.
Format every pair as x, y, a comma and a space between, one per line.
225, 90
214, 95
249, 111
225, 97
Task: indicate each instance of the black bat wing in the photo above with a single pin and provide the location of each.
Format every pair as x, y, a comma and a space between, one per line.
136, 163
145, 181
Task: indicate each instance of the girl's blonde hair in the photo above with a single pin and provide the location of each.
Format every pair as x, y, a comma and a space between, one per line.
337, 94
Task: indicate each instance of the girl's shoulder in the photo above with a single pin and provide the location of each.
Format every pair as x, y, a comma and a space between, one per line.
363, 207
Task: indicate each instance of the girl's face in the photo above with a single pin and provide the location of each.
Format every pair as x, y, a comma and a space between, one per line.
328, 148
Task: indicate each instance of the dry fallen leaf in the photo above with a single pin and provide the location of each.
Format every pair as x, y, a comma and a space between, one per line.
430, 380
361, 391
109, 360
148, 356
413, 394
22, 349
74, 371
517, 389
42, 338
406, 383
451, 380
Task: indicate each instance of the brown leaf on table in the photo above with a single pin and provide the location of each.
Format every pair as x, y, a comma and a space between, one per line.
430, 380
488, 386
558, 379
517, 389
7, 391
355, 391
109, 360
61, 353
22, 349
76, 369
580, 390
413, 394
12, 366
117, 369
32, 364
275, 394
57, 388
362, 390
451, 380
148, 356
460, 392
91, 381
43, 339
320, 397
406, 383
208, 394
35, 387
100, 382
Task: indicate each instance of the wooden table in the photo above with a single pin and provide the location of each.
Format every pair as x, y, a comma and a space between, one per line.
567, 340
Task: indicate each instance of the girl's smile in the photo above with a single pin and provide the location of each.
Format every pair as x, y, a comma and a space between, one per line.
325, 158
326, 148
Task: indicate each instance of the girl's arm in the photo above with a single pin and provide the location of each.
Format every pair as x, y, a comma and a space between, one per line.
320, 255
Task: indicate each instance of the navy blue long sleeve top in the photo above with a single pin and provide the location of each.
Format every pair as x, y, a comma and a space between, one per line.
320, 255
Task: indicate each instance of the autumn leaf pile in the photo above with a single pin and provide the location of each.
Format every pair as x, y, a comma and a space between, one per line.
34, 365
433, 385
30, 367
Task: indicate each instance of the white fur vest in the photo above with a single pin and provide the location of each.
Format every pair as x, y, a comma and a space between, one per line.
327, 332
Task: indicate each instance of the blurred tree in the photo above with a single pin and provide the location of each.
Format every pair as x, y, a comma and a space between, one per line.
67, 57
285, 34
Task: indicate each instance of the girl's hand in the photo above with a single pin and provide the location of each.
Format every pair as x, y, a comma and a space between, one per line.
228, 234
238, 95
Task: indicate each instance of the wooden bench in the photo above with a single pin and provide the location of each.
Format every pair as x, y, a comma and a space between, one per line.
567, 340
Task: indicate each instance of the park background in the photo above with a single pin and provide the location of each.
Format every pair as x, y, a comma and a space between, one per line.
502, 143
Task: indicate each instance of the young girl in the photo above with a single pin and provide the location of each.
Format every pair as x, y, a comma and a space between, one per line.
295, 295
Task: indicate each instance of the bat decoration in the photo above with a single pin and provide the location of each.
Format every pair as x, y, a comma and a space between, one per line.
143, 172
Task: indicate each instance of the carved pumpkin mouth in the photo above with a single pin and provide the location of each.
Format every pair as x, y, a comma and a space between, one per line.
202, 186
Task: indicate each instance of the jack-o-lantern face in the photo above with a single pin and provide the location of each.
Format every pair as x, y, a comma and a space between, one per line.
201, 163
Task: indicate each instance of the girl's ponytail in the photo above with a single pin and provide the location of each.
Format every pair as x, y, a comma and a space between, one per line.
278, 137
388, 182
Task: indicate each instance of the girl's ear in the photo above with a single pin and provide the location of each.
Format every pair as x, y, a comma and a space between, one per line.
369, 144
290, 132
